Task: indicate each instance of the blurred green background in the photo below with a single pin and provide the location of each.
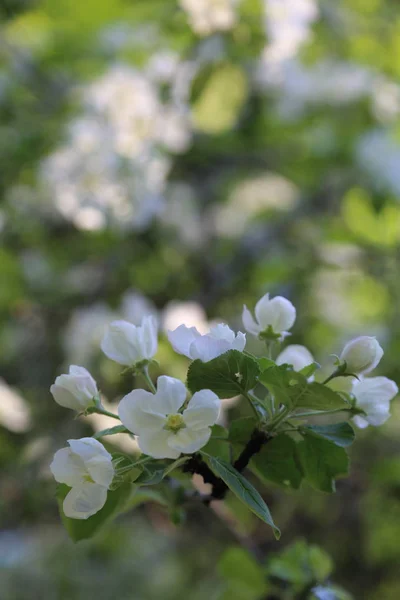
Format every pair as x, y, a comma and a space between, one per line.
184, 158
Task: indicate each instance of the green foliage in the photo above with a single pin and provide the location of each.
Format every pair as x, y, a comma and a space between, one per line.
244, 577
81, 529
319, 397
341, 434
218, 445
322, 462
277, 461
227, 375
243, 490
301, 564
111, 431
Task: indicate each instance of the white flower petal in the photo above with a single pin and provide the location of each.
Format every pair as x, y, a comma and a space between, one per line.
249, 323
136, 411
170, 396
222, 332
362, 354
239, 342
279, 313
296, 355
207, 348
373, 395
203, 410
75, 390
361, 422
149, 333
121, 343
155, 444
84, 501
101, 470
182, 338
88, 448
67, 467
190, 440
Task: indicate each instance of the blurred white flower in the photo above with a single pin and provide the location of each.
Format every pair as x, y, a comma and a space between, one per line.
378, 154
277, 313
87, 468
130, 344
207, 16
85, 330
76, 390
15, 413
164, 430
373, 395
189, 342
190, 314
296, 355
288, 26
362, 354
135, 306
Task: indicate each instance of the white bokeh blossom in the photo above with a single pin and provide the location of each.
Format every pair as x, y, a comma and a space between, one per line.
165, 426
130, 344
276, 313
373, 396
208, 16
189, 342
86, 467
76, 390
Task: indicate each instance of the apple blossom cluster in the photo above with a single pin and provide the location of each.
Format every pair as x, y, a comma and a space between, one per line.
178, 422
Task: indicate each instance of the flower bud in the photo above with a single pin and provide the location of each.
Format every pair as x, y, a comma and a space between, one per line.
129, 344
296, 355
373, 396
277, 314
362, 354
75, 390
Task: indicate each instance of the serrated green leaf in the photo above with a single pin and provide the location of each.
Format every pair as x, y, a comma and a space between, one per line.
227, 375
243, 490
81, 529
286, 385
322, 462
277, 461
111, 431
318, 396
341, 434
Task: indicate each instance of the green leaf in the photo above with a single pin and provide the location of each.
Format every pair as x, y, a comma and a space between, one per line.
243, 490
155, 471
244, 576
217, 446
111, 431
265, 363
341, 434
319, 397
81, 529
300, 564
277, 461
227, 375
286, 385
143, 495
309, 370
322, 462
240, 430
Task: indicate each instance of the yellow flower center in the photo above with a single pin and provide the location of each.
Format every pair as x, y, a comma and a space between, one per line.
87, 478
174, 423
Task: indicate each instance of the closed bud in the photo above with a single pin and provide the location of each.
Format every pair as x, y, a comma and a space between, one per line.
275, 315
75, 390
361, 355
129, 344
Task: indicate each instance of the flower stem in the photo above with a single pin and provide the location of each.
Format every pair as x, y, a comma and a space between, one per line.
253, 408
145, 373
102, 411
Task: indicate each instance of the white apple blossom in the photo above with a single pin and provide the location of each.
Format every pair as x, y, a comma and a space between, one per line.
87, 468
296, 355
373, 395
130, 344
164, 427
75, 390
189, 342
362, 354
277, 313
